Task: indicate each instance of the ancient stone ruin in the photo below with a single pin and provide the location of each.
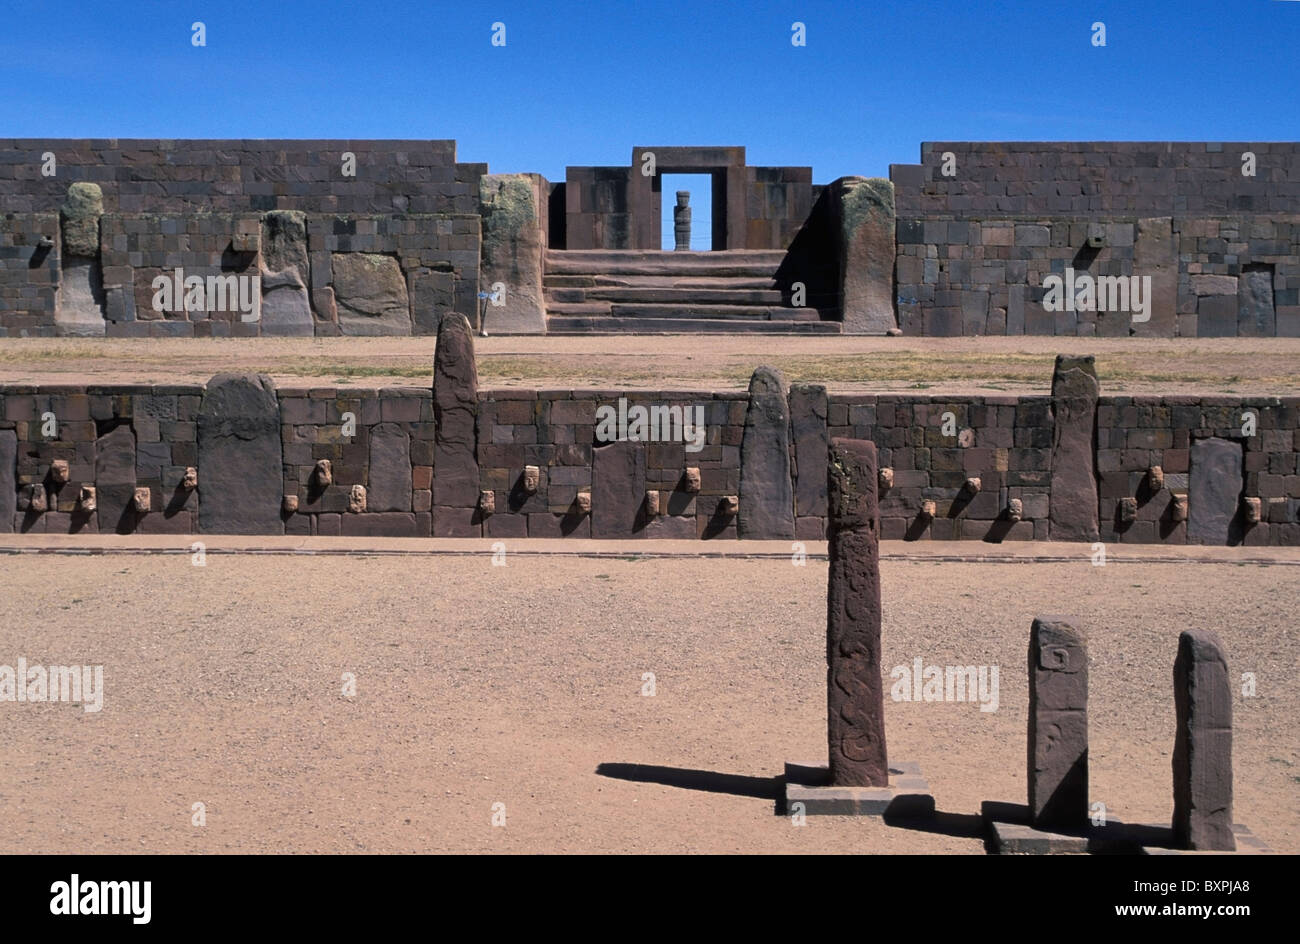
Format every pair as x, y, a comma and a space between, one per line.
212, 238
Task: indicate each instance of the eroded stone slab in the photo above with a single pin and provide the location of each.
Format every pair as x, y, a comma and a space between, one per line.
1072, 509
8, 479
455, 407
370, 294
115, 481
512, 253
766, 491
867, 255
618, 490
1214, 492
390, 469
1202, 762
240, 455
811, 445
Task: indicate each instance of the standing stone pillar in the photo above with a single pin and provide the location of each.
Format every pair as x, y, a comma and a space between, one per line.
455, 411
1202, 744
1072, 508
241, 457
511, 211
855, 691
1058, 724
865, 210
766, 490
682, 221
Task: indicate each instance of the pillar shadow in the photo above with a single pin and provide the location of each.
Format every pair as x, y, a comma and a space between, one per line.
758, 788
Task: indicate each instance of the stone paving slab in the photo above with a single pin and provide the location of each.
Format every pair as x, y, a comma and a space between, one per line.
908, 795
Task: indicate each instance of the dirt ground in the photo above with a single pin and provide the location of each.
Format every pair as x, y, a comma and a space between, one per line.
479, 684
939, 366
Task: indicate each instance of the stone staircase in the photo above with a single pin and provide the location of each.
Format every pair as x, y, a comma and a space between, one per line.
609, 291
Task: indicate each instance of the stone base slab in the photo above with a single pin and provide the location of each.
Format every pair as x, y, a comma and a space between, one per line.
908, 795
1010, 834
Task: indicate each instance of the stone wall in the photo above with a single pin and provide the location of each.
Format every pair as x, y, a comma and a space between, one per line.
975, 245
382, 242
120, 439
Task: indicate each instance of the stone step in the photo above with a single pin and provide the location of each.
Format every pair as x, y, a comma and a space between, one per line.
698, 296
596, 325
707, 312
745, 283
739, 262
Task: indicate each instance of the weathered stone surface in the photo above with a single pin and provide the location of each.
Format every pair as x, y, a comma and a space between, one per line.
1214, 491
1073, 506
390, 469
583, 501
323, 473
855, 691
487, 502
8, 479
691, 480
115, 481
191, 478
1058, 723
79, 218
811, 445
357, 499
290, 504
617, 490
1256, 316
241, 456
1202, 762
370, 294
80, 311
867, 254
512, 253
141, 499
455, 407
284, 243
286, 308
59, 471
87, 499
766, 491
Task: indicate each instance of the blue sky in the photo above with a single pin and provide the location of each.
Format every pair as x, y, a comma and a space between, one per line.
582, 83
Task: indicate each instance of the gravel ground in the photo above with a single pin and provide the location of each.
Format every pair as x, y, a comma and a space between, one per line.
934, 366
478, 685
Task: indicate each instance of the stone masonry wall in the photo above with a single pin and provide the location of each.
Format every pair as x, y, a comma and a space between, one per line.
405, 222
124, 438
974, 245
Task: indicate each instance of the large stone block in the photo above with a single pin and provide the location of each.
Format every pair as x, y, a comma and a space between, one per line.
455, 409
115, 478
1214, 492
390, 469
618, 490
512, 253
1058, 724
1073, 508
866, 214
241, 480
766, 490
1155, 255
855, 690
370, 294
8, 479
1202, 762
808, 409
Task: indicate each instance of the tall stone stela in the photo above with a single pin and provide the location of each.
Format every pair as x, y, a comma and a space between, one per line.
855, 690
